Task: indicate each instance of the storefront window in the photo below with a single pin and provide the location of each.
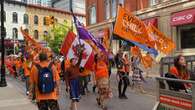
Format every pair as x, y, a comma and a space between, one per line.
187, 38
92, 15
153, 2
121, 2
107, 9
114, 7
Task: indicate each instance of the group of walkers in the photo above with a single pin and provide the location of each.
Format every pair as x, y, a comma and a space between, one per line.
42, 73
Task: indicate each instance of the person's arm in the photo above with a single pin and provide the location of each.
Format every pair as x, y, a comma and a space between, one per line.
57, 79
66, 79
32, 81
80, 56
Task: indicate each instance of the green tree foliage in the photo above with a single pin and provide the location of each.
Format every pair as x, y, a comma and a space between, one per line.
56, 35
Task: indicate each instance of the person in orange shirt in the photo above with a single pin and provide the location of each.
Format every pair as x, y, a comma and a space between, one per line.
102, 80
84, 79
179, 70
27, 64
46, 92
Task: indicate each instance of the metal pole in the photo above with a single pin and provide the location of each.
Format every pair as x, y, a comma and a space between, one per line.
3, 33
14, 42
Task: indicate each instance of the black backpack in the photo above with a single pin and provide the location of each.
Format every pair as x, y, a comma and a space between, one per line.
46, 83
176, 86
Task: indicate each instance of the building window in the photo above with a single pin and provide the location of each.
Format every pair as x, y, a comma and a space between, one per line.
15, 33
107, 9
25, 1
36, 19
26, 30
153, 2
25, 19
114, 8
92, 19
187, 38
36, 34
121, 2
4, 14
44, 21
15, 17
55, 20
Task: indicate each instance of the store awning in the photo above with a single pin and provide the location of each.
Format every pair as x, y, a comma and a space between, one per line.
153, 21
183, 17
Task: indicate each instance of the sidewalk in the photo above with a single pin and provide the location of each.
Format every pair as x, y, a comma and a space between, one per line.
13, 99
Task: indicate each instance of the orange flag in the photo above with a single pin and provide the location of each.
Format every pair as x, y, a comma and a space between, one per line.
135, 51
28, 38
106, 38
147, 61
160, 41
129, 27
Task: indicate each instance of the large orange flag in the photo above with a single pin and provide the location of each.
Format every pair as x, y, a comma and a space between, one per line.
160, 41
129, 27
28, 38
147, 61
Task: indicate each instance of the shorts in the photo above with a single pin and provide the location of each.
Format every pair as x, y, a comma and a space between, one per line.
74, 90
48, 105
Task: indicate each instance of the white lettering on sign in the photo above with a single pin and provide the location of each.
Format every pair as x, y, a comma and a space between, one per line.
182, 18
131, 26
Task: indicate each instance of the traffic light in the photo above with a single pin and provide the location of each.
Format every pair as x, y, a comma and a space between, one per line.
52, 20
49, 20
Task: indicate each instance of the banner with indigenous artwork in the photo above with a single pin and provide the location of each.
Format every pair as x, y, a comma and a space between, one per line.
129, 27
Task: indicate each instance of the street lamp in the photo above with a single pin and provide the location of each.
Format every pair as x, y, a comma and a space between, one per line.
3, 33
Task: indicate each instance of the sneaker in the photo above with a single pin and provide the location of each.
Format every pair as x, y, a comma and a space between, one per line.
27, 92
98, 101
124, 97
120, 97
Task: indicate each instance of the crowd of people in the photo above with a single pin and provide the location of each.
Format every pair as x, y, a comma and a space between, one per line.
42, 72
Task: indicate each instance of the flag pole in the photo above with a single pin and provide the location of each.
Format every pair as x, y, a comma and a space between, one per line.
74, 18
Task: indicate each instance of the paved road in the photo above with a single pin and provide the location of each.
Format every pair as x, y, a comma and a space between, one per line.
136, 101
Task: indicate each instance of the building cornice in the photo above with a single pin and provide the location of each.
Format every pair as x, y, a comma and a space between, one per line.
160, 6
43, 8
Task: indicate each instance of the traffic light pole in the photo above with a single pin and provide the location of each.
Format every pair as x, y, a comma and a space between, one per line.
3, 80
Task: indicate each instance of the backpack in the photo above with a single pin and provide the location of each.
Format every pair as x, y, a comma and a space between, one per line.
176, 86
46, 83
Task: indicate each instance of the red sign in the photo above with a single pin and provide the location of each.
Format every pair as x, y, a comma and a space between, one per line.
153, 21
183, 17
180, 103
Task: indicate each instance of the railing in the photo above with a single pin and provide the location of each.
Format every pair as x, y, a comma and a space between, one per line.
174, 100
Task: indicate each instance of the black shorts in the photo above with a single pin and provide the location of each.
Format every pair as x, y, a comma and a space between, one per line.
48, 105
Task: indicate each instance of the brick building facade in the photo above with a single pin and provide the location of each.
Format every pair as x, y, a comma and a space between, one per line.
173, 17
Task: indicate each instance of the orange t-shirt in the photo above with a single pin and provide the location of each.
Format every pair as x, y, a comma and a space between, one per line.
26, 69
34, 80
175, 72
101, 70
67, 64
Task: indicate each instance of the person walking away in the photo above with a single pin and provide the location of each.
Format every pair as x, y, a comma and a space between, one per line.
72, 80
137, 76
127, 67
84, 79
27, 64
46, 81
123, 77
102, 80
111, 61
